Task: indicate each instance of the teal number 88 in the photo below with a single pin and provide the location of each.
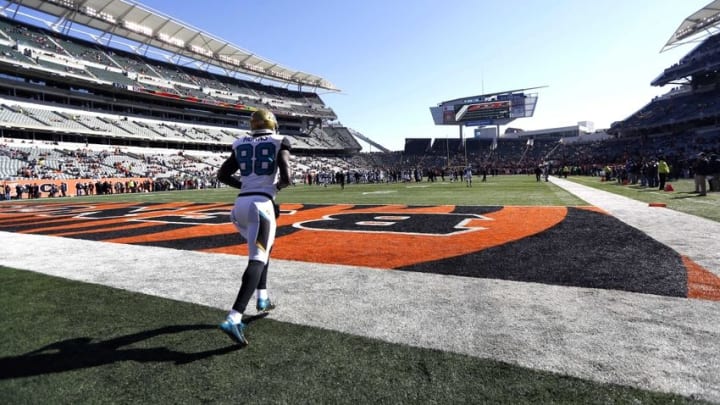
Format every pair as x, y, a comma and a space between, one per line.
263, 155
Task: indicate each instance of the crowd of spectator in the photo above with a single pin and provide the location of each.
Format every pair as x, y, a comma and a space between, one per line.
626, 160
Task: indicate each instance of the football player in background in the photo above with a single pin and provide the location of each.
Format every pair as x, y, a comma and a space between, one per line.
468, 176
263, 162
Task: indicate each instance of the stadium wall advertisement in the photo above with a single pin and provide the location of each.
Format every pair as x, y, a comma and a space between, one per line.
46, 185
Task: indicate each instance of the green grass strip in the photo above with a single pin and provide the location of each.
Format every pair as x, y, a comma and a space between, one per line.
682, 199
496, 191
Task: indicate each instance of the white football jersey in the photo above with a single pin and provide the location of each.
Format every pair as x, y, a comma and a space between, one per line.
257, 157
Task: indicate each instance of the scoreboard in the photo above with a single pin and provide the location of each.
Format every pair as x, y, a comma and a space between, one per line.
489, 109
482, 111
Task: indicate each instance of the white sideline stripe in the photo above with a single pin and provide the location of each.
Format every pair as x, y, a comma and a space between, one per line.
651, 342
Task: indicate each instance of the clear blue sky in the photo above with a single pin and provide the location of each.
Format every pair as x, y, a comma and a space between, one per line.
394, 59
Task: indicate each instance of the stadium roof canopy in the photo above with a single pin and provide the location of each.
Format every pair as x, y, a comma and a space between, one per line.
704, 20
139, 23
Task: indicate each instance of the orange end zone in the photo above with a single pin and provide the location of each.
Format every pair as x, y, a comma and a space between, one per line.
702, 283
592, 208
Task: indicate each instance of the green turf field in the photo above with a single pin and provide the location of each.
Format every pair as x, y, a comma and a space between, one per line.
498, 190
681, 199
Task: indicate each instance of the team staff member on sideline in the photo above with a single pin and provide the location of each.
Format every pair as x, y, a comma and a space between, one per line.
663, 172
263, 161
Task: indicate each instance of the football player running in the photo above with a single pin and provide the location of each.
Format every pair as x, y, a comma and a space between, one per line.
263, 162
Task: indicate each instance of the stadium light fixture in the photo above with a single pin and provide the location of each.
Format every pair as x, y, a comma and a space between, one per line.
171, 40
227, 59
135, 27
102, 15
200, 50
65, 3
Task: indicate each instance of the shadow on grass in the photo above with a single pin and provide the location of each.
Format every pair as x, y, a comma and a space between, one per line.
77, 353
690, 195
